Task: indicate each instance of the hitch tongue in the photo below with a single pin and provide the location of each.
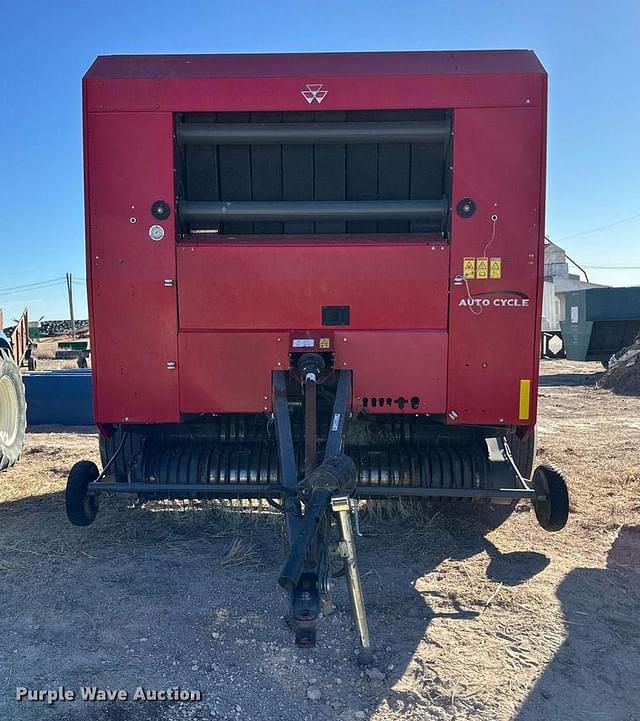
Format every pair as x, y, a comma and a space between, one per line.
335, 473
341, 506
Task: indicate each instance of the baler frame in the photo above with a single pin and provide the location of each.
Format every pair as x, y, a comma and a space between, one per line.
409, 189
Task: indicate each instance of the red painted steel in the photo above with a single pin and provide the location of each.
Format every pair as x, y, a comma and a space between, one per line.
255, 65
353, 80
284, 285
236, 296
492, 346
418, 370
133, 313
229, 372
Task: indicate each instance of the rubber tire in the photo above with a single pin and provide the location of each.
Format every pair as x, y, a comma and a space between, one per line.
552, 513
81, 509
108, 446
10, 453
523, 452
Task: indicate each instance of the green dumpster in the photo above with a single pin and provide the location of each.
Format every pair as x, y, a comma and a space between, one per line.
600, 321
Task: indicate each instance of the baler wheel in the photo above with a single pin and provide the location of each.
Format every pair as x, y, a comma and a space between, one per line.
552, 498
81, 508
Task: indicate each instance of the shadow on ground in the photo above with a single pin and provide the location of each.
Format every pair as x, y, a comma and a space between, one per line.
594, 674
569, 379
400, 612
178, 598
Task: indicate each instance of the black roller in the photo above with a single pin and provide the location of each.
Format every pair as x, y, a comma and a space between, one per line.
205, 211
255, 463
417, 131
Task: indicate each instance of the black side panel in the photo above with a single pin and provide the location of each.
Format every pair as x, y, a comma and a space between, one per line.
330, 176
321, 172
266, 173
362, 173
235, 176
297, 176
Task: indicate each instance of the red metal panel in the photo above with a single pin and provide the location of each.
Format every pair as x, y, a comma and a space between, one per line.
492, 344
352, 80
132, 312
395, 287
284, 285
252, 65
229, 372
226, 372
535, 360
280, 94
394, 365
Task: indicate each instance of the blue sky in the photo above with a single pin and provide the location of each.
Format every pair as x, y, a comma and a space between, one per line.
589, 48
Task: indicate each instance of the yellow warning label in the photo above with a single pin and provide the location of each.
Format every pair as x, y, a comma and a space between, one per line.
523, 405
495, 268
469, 268
482, 268
325, 343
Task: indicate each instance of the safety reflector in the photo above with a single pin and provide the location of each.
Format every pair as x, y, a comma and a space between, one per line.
525, 392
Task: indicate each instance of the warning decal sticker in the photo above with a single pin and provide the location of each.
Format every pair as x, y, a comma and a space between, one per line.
469, 268
482, 268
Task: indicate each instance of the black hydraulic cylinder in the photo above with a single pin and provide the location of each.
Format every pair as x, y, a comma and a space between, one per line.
203, 211
425, 131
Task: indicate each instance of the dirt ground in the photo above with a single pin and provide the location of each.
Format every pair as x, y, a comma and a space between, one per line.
514, 624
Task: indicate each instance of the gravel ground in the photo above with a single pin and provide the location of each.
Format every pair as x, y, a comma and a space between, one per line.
512, 623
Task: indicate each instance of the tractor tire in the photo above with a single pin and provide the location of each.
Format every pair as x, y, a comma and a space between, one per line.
81, 508
13, 412
130, 448
523, 452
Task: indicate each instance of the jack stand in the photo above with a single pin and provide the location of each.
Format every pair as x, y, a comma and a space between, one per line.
305, 609
341, 506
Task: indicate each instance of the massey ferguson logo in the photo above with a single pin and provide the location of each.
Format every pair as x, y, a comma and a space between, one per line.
314, 92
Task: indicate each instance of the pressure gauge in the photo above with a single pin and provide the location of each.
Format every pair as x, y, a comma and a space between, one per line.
156, 232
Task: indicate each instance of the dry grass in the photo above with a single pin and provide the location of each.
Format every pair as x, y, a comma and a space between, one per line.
491, 613
239, 553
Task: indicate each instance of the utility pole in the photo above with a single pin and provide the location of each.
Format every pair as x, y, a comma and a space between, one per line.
70, 291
